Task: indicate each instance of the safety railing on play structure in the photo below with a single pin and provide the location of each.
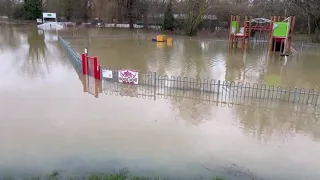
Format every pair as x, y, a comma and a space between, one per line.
222, 89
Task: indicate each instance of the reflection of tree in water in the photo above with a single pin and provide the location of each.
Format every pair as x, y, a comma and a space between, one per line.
263, 123
234, 66
246, 66
191, 107
193, 58
37, 54
9, 38
164, 56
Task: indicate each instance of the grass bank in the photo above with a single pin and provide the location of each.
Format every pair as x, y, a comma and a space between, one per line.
120, 175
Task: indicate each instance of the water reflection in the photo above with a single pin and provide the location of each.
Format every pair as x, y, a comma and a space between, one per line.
260, 120
235, 67
200, 58
29, 54
37, 56
193, 110
91, 85
193, 64
266, 123
52, 125
10, 38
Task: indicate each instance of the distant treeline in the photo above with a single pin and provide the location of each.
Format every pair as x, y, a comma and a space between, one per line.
187, 15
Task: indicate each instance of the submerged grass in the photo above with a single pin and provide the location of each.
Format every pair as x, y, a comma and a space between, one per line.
121, 175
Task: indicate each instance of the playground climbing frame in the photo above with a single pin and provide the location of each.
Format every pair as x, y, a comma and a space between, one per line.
278, 33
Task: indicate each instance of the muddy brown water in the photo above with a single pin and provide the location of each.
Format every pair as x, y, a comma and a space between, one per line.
49, 124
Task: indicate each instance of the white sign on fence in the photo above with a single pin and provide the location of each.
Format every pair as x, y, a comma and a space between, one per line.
107, 74
128, 76
49, 15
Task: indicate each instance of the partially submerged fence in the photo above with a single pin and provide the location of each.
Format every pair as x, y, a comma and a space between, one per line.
220, 90
310, 46
76, 59
224, 89
114, 88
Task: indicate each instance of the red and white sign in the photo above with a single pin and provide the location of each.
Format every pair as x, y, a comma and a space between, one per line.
128, 76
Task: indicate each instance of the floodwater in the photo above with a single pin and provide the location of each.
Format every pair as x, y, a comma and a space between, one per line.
48, 122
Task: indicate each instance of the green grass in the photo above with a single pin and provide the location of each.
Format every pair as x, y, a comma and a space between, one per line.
121, 175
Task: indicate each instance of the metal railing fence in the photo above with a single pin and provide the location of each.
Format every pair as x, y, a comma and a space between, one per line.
226, 89
223, 89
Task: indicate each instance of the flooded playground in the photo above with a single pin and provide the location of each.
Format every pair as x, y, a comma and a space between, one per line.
48, 122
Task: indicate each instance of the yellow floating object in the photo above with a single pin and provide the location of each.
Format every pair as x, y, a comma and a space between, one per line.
161, 38
169, 40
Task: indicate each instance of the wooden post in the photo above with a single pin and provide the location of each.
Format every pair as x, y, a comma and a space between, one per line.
245, 28
96, 88
286, 45
249, 32
230, 33
85, 83
292, 24
270, 40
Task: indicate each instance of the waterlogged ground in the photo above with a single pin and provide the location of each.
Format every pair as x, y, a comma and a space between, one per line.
48, 122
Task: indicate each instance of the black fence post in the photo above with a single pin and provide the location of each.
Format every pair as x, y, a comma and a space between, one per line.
218, 91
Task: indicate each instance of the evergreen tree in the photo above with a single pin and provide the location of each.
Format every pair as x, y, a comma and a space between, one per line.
168, 22
33, 9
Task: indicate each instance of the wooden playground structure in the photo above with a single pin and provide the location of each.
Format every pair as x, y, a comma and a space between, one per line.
275, 32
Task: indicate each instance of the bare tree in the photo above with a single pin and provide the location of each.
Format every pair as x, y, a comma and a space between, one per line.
196, 11
312, 11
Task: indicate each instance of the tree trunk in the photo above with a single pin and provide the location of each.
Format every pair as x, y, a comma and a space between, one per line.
309, 25
130, 4
85, 11
317, 33
145, 20
101, 8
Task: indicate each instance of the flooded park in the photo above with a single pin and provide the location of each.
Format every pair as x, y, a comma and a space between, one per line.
52, 121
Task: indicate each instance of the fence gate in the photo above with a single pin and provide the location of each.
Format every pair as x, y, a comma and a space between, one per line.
90, 66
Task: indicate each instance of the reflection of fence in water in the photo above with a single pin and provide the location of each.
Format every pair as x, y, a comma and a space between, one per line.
310, 46
115, 88
227, 91
224, 98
